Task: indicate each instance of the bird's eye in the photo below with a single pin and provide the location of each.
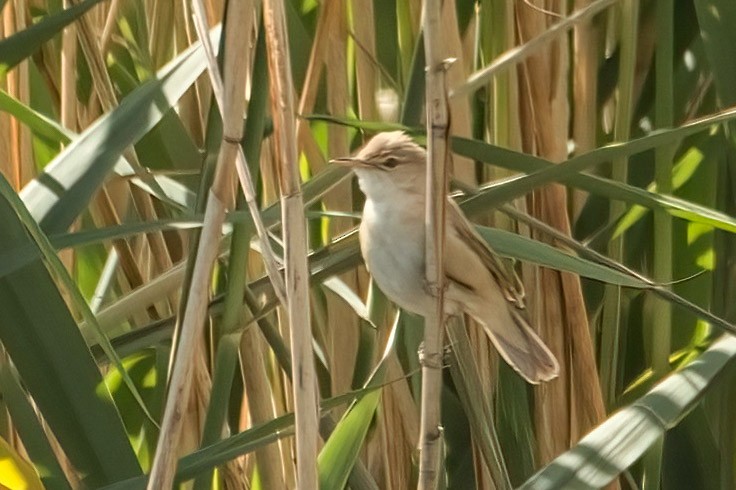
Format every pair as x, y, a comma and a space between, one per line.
391, 162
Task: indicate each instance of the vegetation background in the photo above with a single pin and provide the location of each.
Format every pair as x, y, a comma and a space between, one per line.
619, 113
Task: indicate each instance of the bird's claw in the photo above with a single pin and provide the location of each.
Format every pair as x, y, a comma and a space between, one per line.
436, 360
433, 288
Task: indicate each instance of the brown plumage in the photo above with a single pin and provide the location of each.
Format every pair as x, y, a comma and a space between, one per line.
391, 172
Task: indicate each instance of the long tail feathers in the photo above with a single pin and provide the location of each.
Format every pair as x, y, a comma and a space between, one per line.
530, 357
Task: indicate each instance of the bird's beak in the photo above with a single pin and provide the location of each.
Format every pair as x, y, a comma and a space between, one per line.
344, 161
352, 162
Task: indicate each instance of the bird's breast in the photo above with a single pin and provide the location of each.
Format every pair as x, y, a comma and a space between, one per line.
392, 243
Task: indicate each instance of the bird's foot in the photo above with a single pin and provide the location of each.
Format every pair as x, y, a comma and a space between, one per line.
433, 288
436, 360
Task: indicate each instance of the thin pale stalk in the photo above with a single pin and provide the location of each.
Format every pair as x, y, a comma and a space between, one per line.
68, 100
20, 165
105, 214
585, 90
68, 76
246, 181
611, 323
463, 168
363, 26
110, 23
105, 284
518, 54
260, 405
304, 382
231, 344
106, 94
160, 31
343, 332
325, 23
430, 435
219, 199
660, 321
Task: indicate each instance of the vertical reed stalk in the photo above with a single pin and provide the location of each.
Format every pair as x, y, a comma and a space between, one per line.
660, 321
611, 324
663, 175
246, 181
304, 379
219, 199
585, 89
430, 435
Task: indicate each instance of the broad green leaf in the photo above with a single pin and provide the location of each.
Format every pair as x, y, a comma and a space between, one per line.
141, 367
63, 190
542, 172
369, 126
338, 456
36, 121
40, 240
341, 450
55, 364
239, 444
166, 188
682, 172
23, 44
526, 249
621, 440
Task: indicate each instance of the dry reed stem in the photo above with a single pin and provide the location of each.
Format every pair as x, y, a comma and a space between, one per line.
366, 75
110, 24
106, 95
20, 163
343, 333
568, 407
328, 49
68, 100
192, 111
310, 88
161, 31
304, 382
260, 407
246, 181
395, 455
219, 199
430, 441
107, 215
257, 387
521, 52
462, 168
586, 40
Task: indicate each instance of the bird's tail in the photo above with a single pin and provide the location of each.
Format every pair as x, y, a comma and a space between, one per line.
523, 350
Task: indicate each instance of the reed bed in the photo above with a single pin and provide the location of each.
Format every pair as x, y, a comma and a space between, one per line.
182, 297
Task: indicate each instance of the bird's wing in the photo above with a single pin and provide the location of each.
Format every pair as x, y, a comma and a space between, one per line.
502, 272
497, 302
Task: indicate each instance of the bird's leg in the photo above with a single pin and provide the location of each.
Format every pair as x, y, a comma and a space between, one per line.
433, 288
434, 360
440, 360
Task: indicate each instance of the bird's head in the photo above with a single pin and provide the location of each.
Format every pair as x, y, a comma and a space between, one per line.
387, 163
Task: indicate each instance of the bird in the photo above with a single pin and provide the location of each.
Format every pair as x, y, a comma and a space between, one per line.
391, 172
